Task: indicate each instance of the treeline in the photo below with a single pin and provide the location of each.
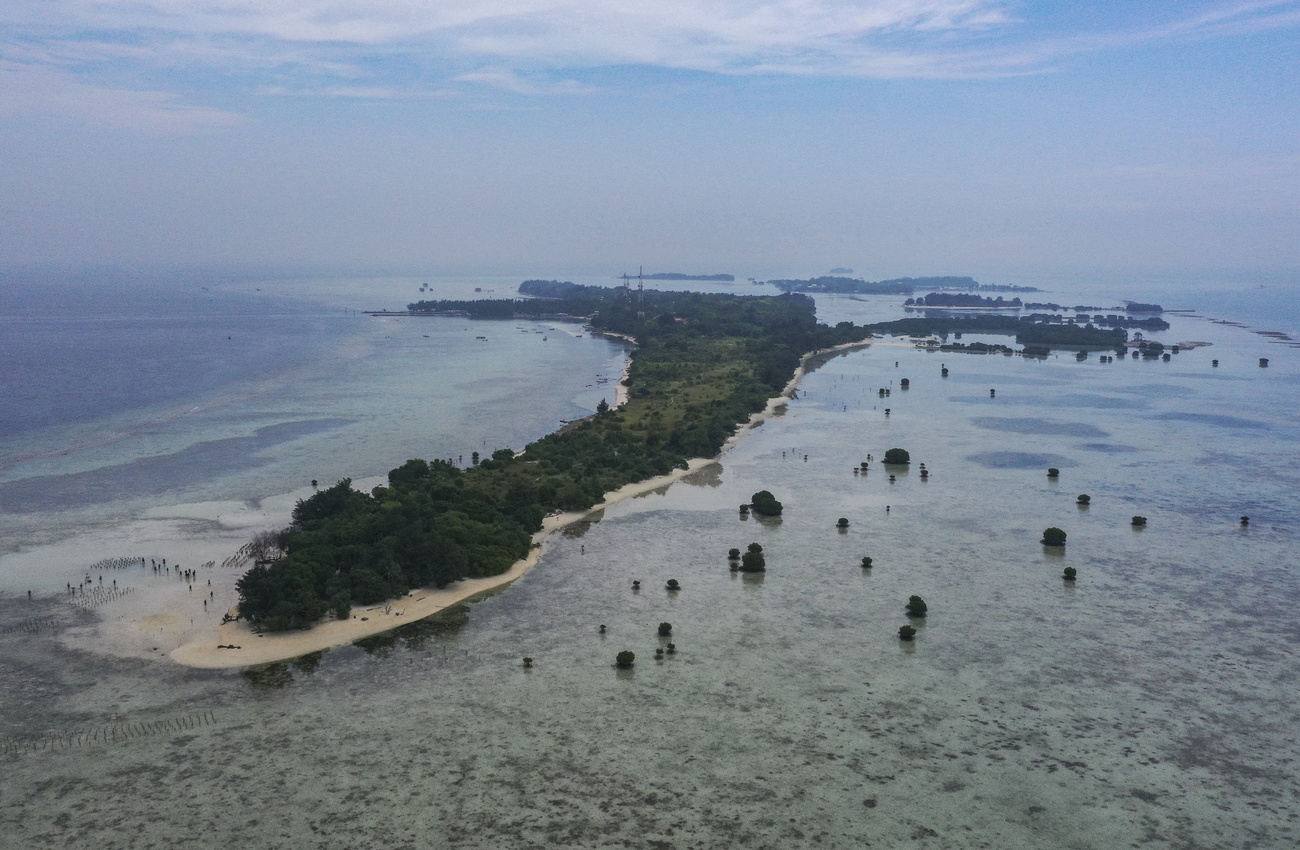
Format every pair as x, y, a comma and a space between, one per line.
1027, 330
1112, 320
848, 285
957, 299
703, 365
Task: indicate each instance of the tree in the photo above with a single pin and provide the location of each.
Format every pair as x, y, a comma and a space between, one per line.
842, 522
665, 629
733, 554
602, 408
916, 606
673, 585
528, 662
1053, 537
866, 562
1139, 521
765, 504
625, 658
753, 560
906, 633
341, 605
1053, 472
1084, 499
1069, 573
899, 456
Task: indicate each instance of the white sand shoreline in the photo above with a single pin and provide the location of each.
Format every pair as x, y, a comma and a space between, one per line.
235, 644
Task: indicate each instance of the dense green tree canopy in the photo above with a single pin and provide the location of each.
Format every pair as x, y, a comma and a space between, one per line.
765, 503
703, 364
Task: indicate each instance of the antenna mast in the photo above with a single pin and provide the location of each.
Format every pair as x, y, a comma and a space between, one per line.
640, 292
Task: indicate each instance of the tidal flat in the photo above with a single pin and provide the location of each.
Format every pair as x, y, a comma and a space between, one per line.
1149, 703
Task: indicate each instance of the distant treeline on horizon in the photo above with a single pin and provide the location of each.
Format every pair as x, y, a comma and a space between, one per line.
723, 278
896, 286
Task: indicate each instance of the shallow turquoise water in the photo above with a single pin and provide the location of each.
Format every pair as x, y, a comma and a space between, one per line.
1149, 704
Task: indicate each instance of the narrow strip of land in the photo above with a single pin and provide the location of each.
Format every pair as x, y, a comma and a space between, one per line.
237, 644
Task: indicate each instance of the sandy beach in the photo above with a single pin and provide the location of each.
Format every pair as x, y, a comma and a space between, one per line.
234, 644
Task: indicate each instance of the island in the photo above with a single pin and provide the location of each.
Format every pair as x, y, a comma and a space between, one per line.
703, 365
718, 278
961, 301
895, 286
1034, 332
705, 369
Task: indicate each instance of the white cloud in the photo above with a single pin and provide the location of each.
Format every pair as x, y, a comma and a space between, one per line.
94, 52
37, 91
508, 80
722, 35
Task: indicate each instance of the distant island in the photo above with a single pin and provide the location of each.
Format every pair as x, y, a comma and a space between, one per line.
895, 286
721, 278
963, 301
846, 285
840, 271
1037, 332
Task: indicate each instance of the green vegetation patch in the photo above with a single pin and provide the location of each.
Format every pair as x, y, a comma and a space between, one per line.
704, 363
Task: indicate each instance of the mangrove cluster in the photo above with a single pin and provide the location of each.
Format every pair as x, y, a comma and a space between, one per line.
961, 299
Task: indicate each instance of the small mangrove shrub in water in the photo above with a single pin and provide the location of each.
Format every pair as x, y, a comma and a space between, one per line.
916, 606
1139, 522
765, 504
906, 633
1053, 472
733, 554
1069, 574
842, 522
1053, 537
528, 662
897, 456
673, 584
665, 629
625, 659
866, 562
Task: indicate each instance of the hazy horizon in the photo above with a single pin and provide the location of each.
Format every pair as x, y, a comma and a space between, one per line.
895, 137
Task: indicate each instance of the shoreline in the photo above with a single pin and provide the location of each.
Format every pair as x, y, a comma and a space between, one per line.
251, 649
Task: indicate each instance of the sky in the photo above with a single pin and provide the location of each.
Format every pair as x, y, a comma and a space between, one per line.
552, 137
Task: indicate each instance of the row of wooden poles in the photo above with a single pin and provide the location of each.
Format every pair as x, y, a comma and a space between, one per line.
18, 744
